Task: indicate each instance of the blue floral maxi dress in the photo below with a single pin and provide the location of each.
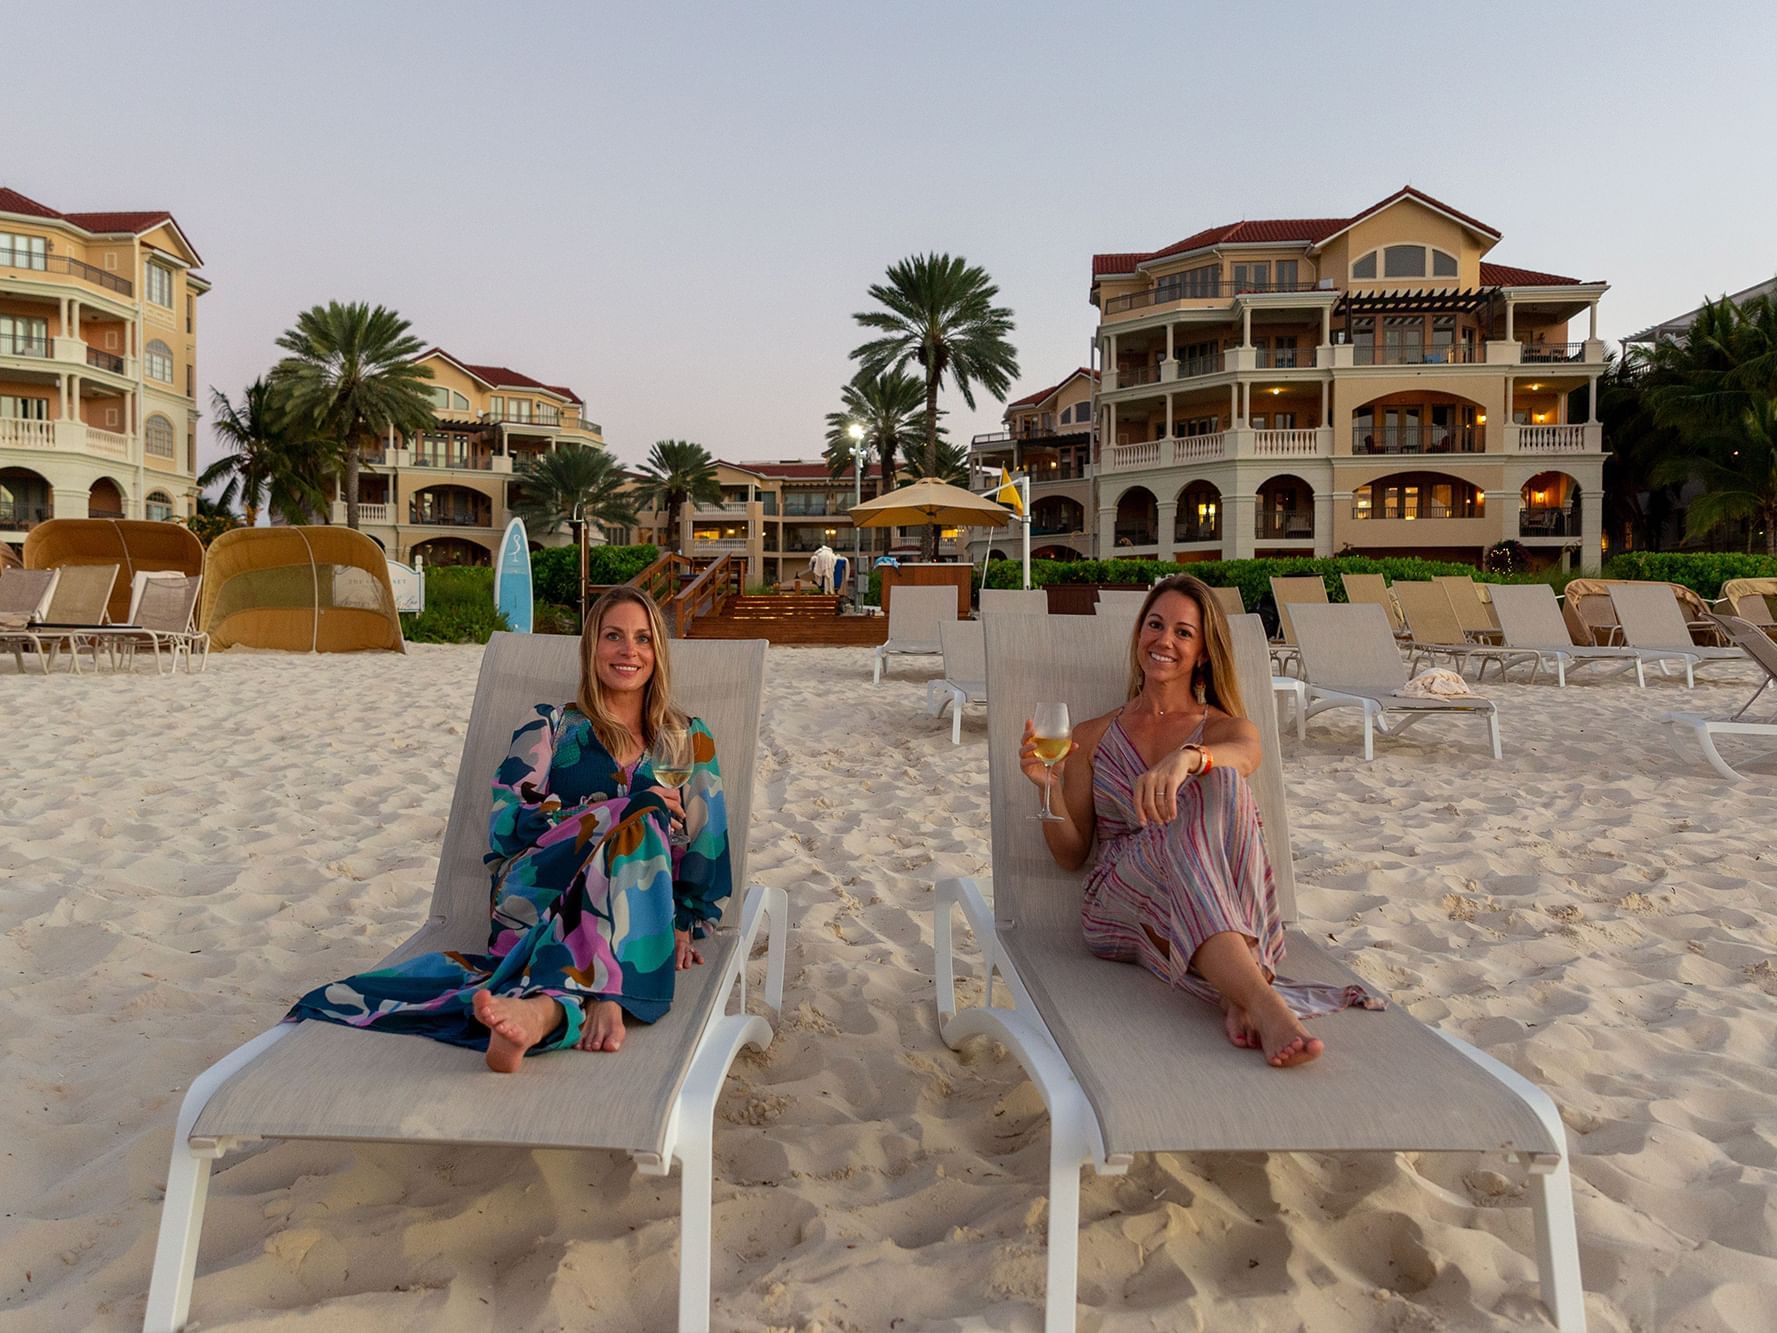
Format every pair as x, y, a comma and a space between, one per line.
586, 892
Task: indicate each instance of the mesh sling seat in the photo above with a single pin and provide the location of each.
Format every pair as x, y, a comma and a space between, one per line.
1126, 1064
319, 589
965, 672
1019, 601
77, 603
1349, 660
1759, 647
162, 618
1436, 630
320, 1081
1651, 620
1754, 601
1373, 588
914, 616
1530, 619
134, 544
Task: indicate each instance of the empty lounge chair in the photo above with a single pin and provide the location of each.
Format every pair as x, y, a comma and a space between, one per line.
1651, 620
1473, 611
76, 603
1022, 601
1373, 588
1530, 618
1435, 631
1743, 721
965, 673
914, 616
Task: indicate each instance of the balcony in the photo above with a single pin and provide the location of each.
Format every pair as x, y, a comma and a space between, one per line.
27, 345
1548, 523
449, 461
1418, 440
1421, 509
1296, 443
548, 420
1584, 438
444, 518
367, 512
23, 515
1417, 354
1208, 287
23, 261
72, 436
718, 545
1285, 525
105, 361
1551, 353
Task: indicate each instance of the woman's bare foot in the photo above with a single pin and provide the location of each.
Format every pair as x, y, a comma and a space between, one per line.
604, 1027
1281, 1035
1238, 1027
514, 1026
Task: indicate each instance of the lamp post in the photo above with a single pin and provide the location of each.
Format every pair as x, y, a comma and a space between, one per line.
577, 526
856, 432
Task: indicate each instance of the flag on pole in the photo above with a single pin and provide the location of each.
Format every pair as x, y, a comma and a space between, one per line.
1008, 495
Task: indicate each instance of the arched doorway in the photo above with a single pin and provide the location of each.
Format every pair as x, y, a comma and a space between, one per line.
1549, 506
1055, 514
1419, 422
1199, 513
1138, 518
452, 551
104, 499
1286, 509
1419, 495
453, 506
25, 499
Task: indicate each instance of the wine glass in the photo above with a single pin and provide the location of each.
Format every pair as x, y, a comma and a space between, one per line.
1054, 734
671, 758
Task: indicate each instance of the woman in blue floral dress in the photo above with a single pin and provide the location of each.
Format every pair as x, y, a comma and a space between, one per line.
594, 907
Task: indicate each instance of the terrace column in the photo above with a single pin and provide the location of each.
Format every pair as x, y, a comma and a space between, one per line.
1168, 416
1591, 528
1169, 355
1509, 307
1168, 511
1240, 516
1107, 532
1326, 325
1326, 505
1326, 390
1591, 401
1110, 434
1592, 322
1233, 405
1246, 326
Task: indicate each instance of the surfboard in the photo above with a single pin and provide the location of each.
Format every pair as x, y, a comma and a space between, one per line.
512, 578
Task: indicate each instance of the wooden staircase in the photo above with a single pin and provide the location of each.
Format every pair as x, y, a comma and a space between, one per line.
793, 618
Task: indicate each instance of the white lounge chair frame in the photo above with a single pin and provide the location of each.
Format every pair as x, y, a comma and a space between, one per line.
1530, 620
510, 661
1762, 650
1076, 1136
1350, 660
914, 616
965, 672
1651, 620
1423, 603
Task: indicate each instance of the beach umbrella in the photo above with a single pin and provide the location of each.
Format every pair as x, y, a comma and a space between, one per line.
927, 502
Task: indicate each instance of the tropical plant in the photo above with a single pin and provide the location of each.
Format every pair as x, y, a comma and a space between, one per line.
1636, 507
266, 464
889, 408
677, 471
938, 313
212, 519
351, 379
572, 479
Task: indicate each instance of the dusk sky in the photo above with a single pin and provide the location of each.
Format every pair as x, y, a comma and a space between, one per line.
675, 209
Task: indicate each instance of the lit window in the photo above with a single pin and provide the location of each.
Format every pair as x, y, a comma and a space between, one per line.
160, 285
157, 436
158, 362
1403, 261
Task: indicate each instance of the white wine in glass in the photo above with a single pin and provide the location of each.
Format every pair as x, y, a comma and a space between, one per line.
1054, 735
672, 759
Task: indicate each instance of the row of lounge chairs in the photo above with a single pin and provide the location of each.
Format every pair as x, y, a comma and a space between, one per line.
47, 611
1125, 1064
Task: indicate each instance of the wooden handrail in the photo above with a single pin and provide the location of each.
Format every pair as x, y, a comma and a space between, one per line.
706, 594
659, 580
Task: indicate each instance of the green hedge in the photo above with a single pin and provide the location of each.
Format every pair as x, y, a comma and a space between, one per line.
1701, 571
459, 607
555, 570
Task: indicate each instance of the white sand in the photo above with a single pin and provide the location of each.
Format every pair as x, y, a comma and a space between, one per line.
181, 858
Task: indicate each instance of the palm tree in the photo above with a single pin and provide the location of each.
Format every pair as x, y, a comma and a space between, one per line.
572, 477
938, 311
350, 378
677, 471
266, 466
889, 409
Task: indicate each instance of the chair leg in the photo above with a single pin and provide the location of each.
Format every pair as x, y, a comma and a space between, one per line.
175, 1252
956, 718
1493, 732
1067, 1154
696, 1167
1369, 737
1558, 1247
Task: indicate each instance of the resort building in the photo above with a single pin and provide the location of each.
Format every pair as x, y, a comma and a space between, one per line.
1679, 326
1051, 436
1370, 384
447, 495
98, 365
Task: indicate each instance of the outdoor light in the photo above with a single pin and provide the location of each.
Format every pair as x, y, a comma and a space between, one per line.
1480, 418
1539, 417
1480, 497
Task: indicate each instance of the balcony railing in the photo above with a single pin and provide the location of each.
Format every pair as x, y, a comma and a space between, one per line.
1417, 354
551, 419
104, 361
1191, 367
1287, 524
1553, 439
1418, 509
1126, 457
1214, 287
17, 433
368, 512
1418, 440
22, 259
1284, 358
1210, 531
22, 516
1535, 353
1199, 448
1138, 536
26, 344
468, 462
1056, 527
1296, 443
1129, 376
448, 518
1548, 523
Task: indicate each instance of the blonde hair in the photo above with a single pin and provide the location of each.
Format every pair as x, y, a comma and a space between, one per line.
1215, 673
658, 712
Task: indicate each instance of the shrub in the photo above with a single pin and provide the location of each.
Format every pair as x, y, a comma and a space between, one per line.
1507, 557
1703, 572
618, 564
554, 571
549, 618
459, 607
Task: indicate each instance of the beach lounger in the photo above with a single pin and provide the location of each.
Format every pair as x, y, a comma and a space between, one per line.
1758, 646
1592, 615
1020, 601
655, 1100
965, 673
914, 616
1230, 601
1285, 593
1754, 601
1650, 618
1434, 630
1473, 611
1349, 660
1119, 602
25, 595
1127, 1065
1530, 618
76, 603
161, 611
1373, 589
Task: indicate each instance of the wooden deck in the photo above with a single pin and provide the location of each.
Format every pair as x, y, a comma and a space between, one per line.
800, 619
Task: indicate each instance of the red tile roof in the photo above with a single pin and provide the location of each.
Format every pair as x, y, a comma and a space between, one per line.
791, 471
1041, 394
134, 223
11, 201
1504, 275
1272, 231
503, 377
130, 222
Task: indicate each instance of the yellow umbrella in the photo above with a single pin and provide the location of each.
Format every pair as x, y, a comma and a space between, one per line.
928, 502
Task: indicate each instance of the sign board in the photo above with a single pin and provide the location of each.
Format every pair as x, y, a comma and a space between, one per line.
409, 587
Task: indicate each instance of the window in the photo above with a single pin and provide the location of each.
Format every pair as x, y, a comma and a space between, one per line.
23, 251
1403, 261
158, 362
23, 336
157, 437
458, 403
438, 394
1202, 281
15, 408
1443, 265
1286, 275
1365, 267
160, 285
496, 406
1252, 277
160, 507
519, 409
190, 313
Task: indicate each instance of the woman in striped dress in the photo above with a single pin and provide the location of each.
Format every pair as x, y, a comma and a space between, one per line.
1181, 884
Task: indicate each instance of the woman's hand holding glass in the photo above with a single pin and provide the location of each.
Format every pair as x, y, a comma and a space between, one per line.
1048, 740
671, 756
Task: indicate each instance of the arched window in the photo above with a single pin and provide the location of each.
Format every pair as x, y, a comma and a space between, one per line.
160, 507
1443, 264
157, 437
157, 362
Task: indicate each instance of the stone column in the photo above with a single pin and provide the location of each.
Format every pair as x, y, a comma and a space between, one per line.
1326, 504
1509, 337
1246, 326
68, 502
1591, 528
1169, 416
1240, 514
1168, 511
1107, 532
1326, 325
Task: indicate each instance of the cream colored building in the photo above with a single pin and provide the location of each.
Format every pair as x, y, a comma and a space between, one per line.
1368, 384
1050, 435
447, 495
98, 365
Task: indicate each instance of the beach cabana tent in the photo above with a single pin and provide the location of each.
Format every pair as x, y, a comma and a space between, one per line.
300, 589
132, 543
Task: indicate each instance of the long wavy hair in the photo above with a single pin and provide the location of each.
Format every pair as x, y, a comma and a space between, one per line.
658, 712
1215, 679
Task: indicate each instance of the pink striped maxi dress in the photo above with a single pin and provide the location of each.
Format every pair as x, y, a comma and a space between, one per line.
1201, 873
